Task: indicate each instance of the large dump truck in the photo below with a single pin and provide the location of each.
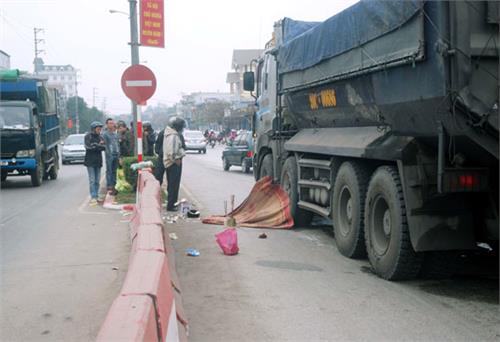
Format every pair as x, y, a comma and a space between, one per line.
384, 118
29, 128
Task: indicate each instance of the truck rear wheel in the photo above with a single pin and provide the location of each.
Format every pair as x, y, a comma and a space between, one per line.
289, 179
54, 170
348, 201
245, 167
386, 230
266, 166
38, 173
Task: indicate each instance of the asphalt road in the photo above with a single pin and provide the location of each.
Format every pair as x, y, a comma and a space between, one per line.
295, 285
62, 262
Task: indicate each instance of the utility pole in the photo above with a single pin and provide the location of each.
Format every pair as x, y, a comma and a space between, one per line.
77, 116
37, 50
134, 50
94, 91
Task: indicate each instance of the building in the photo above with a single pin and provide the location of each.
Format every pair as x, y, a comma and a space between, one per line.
62, 77
239, 114
4, 60
243, 60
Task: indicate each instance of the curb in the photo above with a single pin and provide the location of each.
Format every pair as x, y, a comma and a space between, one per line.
149, 306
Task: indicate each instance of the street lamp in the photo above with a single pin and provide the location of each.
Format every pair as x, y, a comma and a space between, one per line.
134, 50
112, 11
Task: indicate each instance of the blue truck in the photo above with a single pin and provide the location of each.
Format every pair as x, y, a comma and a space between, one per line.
29, 128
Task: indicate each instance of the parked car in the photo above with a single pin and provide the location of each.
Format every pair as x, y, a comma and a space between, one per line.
73, 149
195, 141
239, 153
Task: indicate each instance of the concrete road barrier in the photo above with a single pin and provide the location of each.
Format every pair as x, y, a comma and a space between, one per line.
149, 306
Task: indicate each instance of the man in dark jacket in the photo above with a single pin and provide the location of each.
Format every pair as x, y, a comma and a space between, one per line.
126, 139
148, 139
94, 145
159, 167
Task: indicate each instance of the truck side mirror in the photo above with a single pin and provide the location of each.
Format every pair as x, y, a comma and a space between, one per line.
248, 81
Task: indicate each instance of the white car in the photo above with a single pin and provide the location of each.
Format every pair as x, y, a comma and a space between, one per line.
73, 149
195, 141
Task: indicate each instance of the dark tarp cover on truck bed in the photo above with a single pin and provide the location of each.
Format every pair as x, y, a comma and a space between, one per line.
355, 26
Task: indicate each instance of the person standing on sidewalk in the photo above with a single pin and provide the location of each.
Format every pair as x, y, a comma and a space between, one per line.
173, 152
126, 140
94, 145
159, 170
112, 154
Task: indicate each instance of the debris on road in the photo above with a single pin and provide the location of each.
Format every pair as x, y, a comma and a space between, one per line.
173, 236
263, 236
115, 268
228, 241
193, 213
192, 252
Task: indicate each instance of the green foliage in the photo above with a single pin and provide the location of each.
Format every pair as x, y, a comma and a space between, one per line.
86, 115
131, 175
209, 113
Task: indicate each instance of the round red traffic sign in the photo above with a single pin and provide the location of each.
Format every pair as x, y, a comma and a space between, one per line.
138, 83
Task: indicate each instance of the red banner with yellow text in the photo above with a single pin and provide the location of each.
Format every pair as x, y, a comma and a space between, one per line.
152, 23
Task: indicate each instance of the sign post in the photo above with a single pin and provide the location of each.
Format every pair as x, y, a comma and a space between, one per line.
139, 84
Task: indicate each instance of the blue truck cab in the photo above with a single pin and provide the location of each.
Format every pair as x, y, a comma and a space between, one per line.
29, 128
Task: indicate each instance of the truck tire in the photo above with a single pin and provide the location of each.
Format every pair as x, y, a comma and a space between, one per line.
289, 179
348, 205
386, 230
54, 170
266, 166
225, 164
38, 173
244, 166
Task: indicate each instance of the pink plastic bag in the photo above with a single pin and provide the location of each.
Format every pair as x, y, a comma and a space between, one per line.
228, 241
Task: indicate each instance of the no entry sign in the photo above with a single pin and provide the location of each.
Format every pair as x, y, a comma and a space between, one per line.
138, 83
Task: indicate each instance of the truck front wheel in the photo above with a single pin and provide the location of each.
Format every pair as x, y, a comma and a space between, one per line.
266, 166
38, 173
387, 234
288, 182
348, 202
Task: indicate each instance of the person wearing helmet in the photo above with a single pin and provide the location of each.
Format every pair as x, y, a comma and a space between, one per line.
148, 139
173, 152
94, 145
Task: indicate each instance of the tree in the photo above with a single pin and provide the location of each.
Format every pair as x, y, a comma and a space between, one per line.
86, 115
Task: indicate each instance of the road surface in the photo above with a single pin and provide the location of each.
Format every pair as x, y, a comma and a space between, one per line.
295, 285
62, 262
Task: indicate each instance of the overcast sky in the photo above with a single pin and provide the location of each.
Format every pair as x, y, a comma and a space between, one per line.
200, 37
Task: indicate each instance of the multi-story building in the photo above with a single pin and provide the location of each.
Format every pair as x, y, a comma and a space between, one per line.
62, 77
239, 114
241, 62
4, 60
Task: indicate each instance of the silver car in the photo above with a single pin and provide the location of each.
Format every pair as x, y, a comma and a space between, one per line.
73, 149
195, 141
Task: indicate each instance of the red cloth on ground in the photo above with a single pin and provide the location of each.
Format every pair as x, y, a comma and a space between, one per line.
267, 206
